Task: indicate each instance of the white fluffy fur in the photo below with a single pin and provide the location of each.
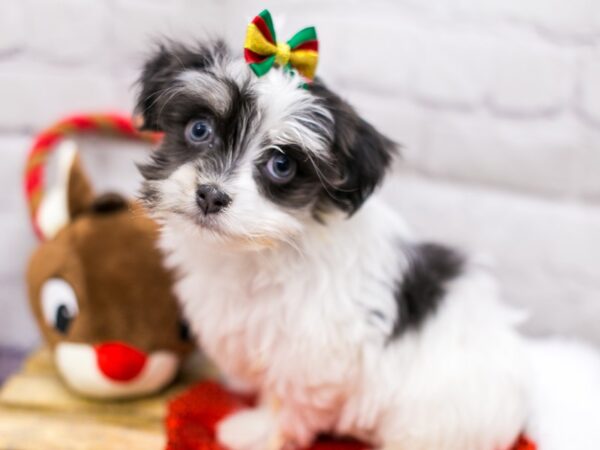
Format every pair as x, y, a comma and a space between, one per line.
284, 305
206, 85
290, 321
288, 110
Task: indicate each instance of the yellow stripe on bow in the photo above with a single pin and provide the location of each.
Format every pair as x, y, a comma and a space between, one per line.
262, 51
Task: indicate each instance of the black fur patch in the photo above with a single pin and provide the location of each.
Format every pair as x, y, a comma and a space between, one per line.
158, 74
218, 156
358, 161
305, 189
171, 112
362, 154
149, 194
423, 284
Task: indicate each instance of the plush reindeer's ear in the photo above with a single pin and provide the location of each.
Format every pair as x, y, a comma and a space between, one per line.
362, 154
160, 74
80, 193
70, 195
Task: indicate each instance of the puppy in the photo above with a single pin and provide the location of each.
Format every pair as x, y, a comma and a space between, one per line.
302, 285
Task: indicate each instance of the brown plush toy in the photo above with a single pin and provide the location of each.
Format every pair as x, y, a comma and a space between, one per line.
99, 292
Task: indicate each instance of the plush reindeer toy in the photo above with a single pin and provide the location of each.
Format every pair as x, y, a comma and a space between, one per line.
98, 290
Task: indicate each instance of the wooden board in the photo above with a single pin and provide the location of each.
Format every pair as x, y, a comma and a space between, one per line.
30, 430
37, 411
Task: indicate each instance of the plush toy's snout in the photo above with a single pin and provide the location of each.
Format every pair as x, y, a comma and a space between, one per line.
114, 369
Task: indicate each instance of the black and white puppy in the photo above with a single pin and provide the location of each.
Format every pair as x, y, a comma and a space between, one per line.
304, 286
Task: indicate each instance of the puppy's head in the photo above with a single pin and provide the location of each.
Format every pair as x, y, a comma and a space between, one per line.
248, 158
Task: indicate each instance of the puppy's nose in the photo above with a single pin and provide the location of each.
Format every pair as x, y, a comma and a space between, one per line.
210, 199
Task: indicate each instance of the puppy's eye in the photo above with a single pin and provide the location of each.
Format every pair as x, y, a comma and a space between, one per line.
280, 168
199, 131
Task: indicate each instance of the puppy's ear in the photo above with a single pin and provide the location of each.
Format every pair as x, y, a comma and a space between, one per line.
160, 73
362, 154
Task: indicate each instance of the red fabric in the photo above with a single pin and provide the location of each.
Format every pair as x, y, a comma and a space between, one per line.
192, 418
524, 444
82, 123
45, 140
34, 180
308, 45
263, 28
125, 125
252, 57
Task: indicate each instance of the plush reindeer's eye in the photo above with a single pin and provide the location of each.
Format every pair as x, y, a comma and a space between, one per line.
280, 168
184, 331
59, 304
199, 131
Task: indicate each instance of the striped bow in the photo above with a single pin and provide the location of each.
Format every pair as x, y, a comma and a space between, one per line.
262, 51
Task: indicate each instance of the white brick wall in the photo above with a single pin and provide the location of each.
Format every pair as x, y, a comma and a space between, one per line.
497, 103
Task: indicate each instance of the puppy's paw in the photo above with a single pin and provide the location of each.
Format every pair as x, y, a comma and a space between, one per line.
252, 429
238, 385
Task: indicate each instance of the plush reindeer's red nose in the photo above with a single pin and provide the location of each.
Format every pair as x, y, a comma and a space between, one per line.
119, 361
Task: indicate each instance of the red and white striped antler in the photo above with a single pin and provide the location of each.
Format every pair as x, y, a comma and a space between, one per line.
47, 141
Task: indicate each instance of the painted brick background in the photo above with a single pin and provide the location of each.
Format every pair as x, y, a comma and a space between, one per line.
497, 104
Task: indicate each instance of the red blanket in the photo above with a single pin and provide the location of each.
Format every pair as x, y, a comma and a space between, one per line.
193, 416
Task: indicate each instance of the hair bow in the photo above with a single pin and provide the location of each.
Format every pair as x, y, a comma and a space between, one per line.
262, 51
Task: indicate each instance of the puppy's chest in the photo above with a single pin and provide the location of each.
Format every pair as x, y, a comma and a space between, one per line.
264, 324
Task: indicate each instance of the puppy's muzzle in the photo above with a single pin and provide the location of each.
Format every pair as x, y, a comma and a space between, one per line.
211, 199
